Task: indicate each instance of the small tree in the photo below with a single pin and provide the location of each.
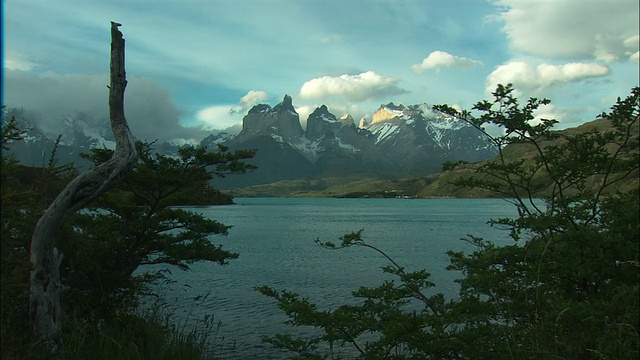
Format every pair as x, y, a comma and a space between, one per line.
137, 223
569, 289
10, 132
566, 288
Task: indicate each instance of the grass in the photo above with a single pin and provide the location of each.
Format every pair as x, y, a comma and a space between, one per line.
132, 337
126, 337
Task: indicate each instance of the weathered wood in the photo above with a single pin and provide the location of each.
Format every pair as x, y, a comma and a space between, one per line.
46, 287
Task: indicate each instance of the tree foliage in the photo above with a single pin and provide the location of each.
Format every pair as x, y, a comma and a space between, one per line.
566, 288
451, 165
10, 132
25, 193
136, 223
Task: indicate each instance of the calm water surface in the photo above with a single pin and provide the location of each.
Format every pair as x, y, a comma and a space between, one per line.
275, 240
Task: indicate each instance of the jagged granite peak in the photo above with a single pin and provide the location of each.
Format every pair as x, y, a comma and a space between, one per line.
260, 108
281, 123
347, 120
323, 114
391, 112
321, 122
285, 105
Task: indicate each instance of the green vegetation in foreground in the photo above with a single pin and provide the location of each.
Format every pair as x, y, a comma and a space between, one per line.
567, 287
131, 336
134, 224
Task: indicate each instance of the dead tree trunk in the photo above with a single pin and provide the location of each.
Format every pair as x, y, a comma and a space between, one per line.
46, 287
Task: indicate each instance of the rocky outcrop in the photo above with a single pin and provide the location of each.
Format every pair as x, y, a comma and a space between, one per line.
320, 123
337, 146
347, 120
392, 113
281, 121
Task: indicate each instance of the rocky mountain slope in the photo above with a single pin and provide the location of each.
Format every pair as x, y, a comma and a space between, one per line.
440, 184
399, 142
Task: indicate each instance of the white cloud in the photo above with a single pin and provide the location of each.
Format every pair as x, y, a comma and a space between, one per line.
218, 117
14, 60
533, 79
632, 44
365, 86
251, 98
548, 111
439, 59
570, 28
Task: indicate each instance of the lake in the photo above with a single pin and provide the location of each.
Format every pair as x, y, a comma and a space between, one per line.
275, 240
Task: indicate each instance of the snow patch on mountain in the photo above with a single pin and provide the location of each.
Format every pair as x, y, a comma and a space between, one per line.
308, 148
179, 142
277, 138
328, 119
384, 131
347, 146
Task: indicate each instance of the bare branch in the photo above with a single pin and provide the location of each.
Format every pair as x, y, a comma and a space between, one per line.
46, 288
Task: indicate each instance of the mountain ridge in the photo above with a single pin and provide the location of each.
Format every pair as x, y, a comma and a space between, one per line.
436, 185
403, 141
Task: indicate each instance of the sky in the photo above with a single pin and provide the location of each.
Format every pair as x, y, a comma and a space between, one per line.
196, 65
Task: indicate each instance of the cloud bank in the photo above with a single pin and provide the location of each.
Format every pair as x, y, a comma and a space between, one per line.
219, 117
571, 28
357, 88
148, 106
439, 59
527, 78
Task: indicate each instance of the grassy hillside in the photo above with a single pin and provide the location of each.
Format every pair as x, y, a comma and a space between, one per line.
433, 185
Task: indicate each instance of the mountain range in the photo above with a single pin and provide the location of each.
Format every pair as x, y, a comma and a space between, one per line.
446, 183
399, 142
